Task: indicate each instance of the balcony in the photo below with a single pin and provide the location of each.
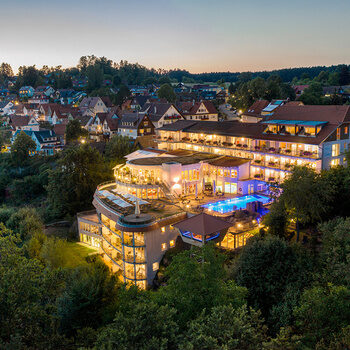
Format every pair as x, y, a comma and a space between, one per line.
243, 147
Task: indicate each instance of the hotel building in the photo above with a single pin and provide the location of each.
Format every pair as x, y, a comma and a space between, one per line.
231, 158
317, 136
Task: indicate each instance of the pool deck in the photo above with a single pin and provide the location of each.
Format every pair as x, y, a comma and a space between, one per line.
191, 202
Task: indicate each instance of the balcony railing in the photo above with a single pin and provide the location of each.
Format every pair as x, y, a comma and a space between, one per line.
244, 147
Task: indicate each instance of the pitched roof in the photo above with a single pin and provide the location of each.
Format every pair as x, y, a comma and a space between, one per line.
330, 113
60, 129
131, 120
156, 110
19, 120
191, 108
256, 108
89, 102
203, 224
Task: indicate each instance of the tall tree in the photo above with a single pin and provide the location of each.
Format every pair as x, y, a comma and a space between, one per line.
72, 183
167, 92
22, 147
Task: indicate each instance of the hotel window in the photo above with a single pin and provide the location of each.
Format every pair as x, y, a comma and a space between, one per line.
172, 243
335, 150
233, 173
346, 130
338, 133
155, 266
164, 246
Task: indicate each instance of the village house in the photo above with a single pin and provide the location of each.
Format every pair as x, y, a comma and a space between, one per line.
26, 91
92, 105
161, 113
203, 110
47, 143
134, 125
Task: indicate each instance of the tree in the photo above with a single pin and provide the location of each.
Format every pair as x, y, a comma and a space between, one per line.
164, 80
27, 299
89, 293
122, 95
312, 95
26, 222
118, 147
22, 147
74, 131
231, 89
344, 75
277, 218
269, 267
144, 326
305, 196
226, 328
72, 183
315, 321
335, 254
6, 71
197, 281
167, 92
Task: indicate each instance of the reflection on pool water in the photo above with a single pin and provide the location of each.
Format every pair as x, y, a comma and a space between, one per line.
228, 205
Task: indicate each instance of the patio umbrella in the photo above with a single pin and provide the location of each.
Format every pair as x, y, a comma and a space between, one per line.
214, 187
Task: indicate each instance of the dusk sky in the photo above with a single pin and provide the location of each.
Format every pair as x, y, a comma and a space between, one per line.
197, 35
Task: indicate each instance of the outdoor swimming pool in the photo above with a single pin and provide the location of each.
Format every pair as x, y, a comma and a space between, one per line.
228, 205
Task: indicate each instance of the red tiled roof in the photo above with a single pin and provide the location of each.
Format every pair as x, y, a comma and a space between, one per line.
332, 113
256, 108
19, 120
203, 224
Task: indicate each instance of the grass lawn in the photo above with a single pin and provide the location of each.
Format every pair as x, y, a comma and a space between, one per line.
81, 250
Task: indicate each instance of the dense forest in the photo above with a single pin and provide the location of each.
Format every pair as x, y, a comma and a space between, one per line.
101, 71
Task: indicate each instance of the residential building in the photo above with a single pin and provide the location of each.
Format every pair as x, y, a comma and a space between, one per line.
6, 108
203, 110
103, 124
134, 125
253, 113
162, 113
46, 90
92, 106
26, 91
23, 122
46, 141
39, 97
299, 89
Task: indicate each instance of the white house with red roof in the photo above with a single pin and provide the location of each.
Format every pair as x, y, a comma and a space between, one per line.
203, 110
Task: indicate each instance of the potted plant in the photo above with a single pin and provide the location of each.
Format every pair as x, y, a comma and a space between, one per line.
288, 150
272, 149
257, 147
271, 178
245, 146
272, 163
257, 176
257, 161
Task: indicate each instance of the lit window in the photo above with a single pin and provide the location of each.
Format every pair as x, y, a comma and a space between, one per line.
338, 134
335, 150
163, 229
155, 266
346, 130
172, 243
163, 246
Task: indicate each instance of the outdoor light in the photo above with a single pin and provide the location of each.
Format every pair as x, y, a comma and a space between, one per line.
176, 179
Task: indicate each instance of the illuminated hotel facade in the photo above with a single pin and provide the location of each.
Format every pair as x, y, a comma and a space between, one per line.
317, 136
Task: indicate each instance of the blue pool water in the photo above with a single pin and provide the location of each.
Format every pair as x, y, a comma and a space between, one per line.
228, 205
